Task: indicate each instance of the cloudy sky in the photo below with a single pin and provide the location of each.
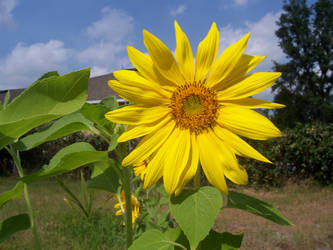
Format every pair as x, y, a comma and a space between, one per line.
37, 36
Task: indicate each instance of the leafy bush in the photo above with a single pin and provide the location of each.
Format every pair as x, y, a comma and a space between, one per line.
35, 158
305, 151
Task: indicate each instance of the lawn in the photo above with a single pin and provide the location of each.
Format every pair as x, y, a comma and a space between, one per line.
60, 227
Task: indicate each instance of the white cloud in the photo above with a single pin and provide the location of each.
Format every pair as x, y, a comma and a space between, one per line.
179, 10
240, 2
114, 25
227, 4
262, 42
107, 56
110, 35
6, 7
26, 63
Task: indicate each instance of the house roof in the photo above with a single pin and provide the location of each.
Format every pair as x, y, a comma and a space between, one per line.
97, 89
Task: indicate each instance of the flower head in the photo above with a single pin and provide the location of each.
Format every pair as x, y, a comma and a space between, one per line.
193, 111
122, 207
141, 168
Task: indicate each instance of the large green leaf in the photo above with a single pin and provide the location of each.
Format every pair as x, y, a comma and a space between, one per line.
45, 100
49, 74
13, 224
110, 102
221, 241
64, 126
95, 113
67, 159
104, 177
195, 212
14, 193
255, 206
152, 240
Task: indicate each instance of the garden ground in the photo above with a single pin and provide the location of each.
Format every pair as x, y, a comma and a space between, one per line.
309, 207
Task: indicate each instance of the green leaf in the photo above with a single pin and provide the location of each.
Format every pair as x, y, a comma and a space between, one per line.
67, 159
104, 177
113, 142
221, 241
7, 99
152, 240
95, 113
195, 212
64, 126
14, 193
110, 103
13, 225
255, 206
178, 236
48, 74
43, 101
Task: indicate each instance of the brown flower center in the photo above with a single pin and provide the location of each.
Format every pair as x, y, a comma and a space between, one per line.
194, 107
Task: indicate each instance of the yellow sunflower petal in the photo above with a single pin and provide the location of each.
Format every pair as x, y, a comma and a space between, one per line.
136, 115
138, 95
163, 58
149, 144
206, 53
244, 65
133, 78
184, 54
227, 61
156, 165
176, 159
119, 212
213, 165
252, 103
142, 130
231, 168
237, 175
239, 146
192, 165
250, 85
147, 69
247, 123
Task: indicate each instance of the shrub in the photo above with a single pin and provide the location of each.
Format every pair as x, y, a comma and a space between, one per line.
305, 151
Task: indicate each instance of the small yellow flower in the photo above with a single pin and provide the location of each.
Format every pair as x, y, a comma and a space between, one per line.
122, 207
141, 168
193, 111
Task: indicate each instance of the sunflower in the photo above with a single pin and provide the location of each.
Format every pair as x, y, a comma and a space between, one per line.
141, 168
193, 112
122, 207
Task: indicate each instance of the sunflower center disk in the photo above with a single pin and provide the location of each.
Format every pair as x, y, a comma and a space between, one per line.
194, 107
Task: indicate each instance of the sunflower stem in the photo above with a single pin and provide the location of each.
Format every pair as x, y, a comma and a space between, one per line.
128, 204
16, 158
197, 178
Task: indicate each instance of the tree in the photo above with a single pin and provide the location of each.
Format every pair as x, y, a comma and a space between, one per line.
306, 37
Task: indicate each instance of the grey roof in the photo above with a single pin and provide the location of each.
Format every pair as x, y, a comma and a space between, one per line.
97, 90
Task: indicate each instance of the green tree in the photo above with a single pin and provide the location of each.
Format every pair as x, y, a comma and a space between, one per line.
306, 37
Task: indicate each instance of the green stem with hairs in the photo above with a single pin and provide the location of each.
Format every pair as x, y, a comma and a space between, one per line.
16, 157
128, 205
197, 178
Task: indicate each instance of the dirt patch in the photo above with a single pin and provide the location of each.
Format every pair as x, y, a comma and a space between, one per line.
310, 211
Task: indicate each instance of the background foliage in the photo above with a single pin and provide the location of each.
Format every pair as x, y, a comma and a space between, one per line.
305, 151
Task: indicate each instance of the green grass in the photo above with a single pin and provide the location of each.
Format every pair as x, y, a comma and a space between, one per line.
60, 226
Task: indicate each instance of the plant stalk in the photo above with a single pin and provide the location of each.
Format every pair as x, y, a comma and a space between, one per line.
128, 205
197, 178
16, 157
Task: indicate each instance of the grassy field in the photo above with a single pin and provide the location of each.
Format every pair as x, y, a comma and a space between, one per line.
310, 208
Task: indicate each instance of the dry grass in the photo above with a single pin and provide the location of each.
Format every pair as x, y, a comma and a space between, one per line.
309, 208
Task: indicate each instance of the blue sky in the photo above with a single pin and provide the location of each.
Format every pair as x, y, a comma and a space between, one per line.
37, 36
